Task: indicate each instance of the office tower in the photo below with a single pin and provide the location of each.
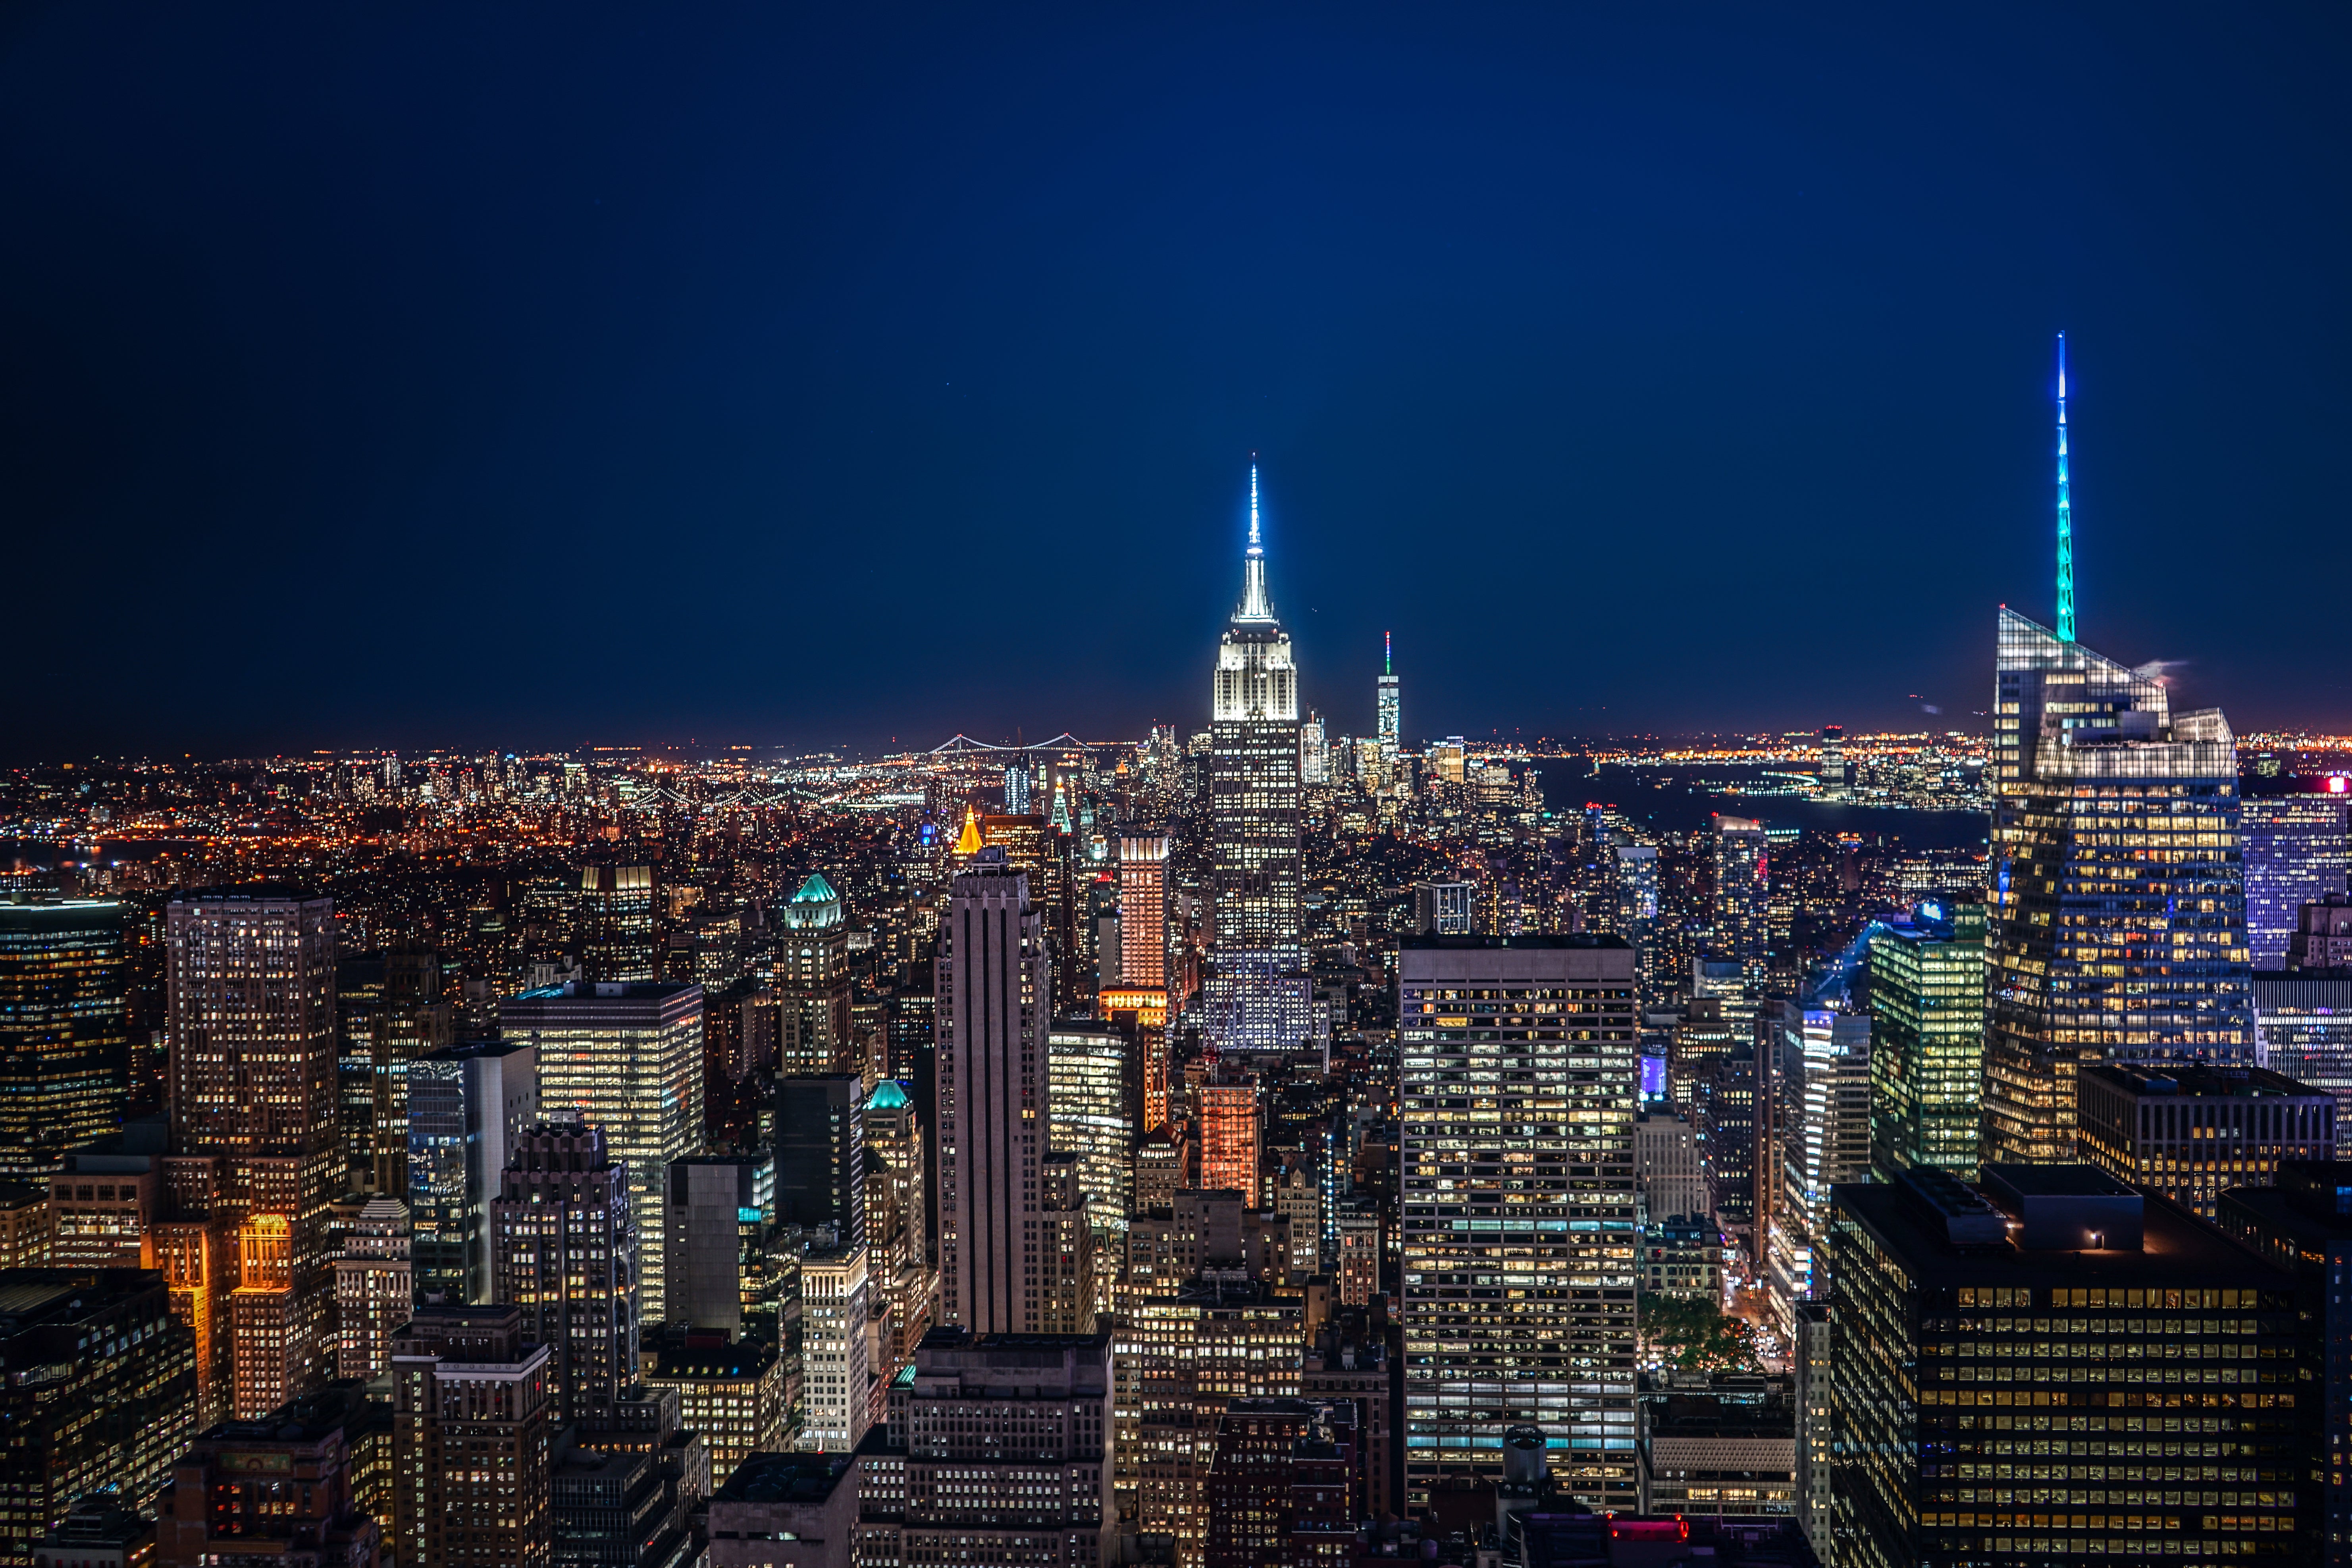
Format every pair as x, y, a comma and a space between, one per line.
1977, 1330
1092, 1090
1258, 996
1067, 1284
813, 983
103, 1201
2305, 1023
995, 1007
65, 1039
474, 1417
629, 1059
1667, 1176
821, 1156
270, 1352
2322, 937
898, 1224
2192, 1132
836, 1314
1637, 915
787, 1510
1389, 716
100, 1393
1360, 1246
1832, 762
1822, 1084
617, 1509
1703, 1039
250, 1016
1742, 889
409, 1020
1142, 989
2304, 1228
1927, 1062
1017, 790
1282, 1486
374, 1289
1735, 1115
2118, 928
712, 1199
1445, 909
1180, 1358
1294, 1193
1314, 751
1810, 1358
24, 1226
564, 1253
1002, 1452
1348, 1360
615, 922
733, 1395
1519, 1205
2297, 853
1232, 1132
1035, 845
280, 1489
466, 1106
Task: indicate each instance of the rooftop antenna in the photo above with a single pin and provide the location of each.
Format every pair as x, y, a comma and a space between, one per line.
1388, 655
2066, 513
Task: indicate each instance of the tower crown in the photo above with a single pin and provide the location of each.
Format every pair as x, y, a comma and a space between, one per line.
1254, 608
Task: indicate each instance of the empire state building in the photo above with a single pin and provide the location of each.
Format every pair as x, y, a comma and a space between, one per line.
1258, 996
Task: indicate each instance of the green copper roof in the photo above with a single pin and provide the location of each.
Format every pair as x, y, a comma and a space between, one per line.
815, 890
887, 1096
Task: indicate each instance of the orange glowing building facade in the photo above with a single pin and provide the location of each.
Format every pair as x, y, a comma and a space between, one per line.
1229, 1138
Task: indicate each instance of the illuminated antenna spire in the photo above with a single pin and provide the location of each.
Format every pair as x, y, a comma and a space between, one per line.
2066, 513
1388, 655
1256, 547
1255, 605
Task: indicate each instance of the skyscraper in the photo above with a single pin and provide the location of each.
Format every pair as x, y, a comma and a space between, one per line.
64, 1035
1518, 1203
466, 1106
564, 1250
995, 1009
1822, 1081
821, 1155
250, 1016
1637, 913
1232, 1128
1258, 996
2297, 853
474, 1424
1832, 762
1143, 962
1390, 716
1742, 885
627, 1058
2118, 916
1926, 1059
374, 1289
616, 922
812, 983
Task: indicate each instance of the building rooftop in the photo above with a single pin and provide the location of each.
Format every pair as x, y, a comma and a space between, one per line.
1581, 939
785, 1477
2175, 1246
2201, 1080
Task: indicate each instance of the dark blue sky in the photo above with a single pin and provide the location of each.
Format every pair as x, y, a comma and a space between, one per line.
425, 376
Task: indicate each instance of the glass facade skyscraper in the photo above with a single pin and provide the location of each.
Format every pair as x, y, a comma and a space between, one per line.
1927, 1063
2296, 854
2118, 922
1518, 1087
1742, 889
64, 1039
1259, 997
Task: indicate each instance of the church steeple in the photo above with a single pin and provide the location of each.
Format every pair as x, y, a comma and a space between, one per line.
1255, 605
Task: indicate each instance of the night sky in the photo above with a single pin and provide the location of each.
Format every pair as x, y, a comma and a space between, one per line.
808, 375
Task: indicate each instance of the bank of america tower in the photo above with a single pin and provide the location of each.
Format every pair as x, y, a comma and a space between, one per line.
1258, 993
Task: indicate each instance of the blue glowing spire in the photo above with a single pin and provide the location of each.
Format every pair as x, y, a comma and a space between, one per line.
2066, 513
1255, 605
1388, 655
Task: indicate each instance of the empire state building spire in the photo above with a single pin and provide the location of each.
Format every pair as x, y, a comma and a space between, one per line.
1255, 605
